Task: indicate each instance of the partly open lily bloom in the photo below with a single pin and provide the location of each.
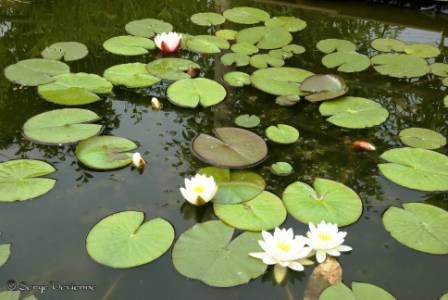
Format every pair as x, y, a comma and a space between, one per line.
326, 239
199, 190
284, 249
138, 161
168, 42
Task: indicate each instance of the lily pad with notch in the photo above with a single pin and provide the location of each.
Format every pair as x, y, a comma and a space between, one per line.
422, 138
244, 48
207, 44
227, 34
207, 19
237, 59
331, 45
347, 62
282, 134
132, 75
422, 50
171, 68
35, 71
128, 45
247, 121
281, 168
246, 15
265, 37
261, 61
359, 291
288, 100
237, 79
439, 69
281, 81
194, 92
68, 51
400, 65
292, 24
388, 45
147, 28
323, 87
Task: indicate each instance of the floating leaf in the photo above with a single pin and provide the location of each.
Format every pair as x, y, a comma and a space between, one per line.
288, 100
361, 291
244, 48
329, 201
281, 168
388, 45
444, 297
237, 79
282, 134
247, 121
133, 75
128, 45
282, 81
265, 37
445, 81
207, 19
354, 112
35, 71
206, 252
69, 51
422, 138
62, 126
439, 69
287, 51
124, 240
75, 89
207, 44
422, 227
232, 148
323, 87
246, 15
226, 34
445, 100
192, 92
261, 61
10, 295
171, 68
292, 24
347, 62
105, 152
237, 59
332, 45
422, 50
400, 65
148, 27
20, 179
5, 252
414, 168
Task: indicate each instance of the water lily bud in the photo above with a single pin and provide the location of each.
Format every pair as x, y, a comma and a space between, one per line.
138, 161
155, 104
168, 42
363, 146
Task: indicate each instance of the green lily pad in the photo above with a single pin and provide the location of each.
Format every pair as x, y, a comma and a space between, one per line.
265, 37
354, 112
208, 44
264, 212
69, 51
282, 81
237, 79
422, 50
414, 168
247, 121
329, 201
445, 81
445, 100
124, 240
171, 68
282, 134
75, 89
288, 100
292, 24
323, 87
147, 27
419, 226
347, 62
10, 295
388, 45
192, 92
206, 252
400, 65
234, 186
360, 291
444, 297
227, 34
261, 61
439, 69
287, 51
5, 252
244, 48
207, 19
332, 45
422, 138
237, 59
281, 168
35, 71
105, 152
133, 75
62, 126
246, 15
21, 179
232, 148
128, 45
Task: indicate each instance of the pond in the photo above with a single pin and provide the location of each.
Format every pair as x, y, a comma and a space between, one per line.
48, 233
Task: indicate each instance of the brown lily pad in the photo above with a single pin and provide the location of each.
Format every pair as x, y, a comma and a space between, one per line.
323, 87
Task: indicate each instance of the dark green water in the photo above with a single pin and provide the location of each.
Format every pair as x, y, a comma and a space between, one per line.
48, 233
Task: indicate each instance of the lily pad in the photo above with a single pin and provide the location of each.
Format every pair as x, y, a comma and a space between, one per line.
419, 226
281, 168
227, 34
247, 121
237, 79
287, 51
354, 112
261, 61
105, 152
244, 48
171, 68
207, 19
329, 201
282, 134
264, 212
10, 295
208, 44
282, 81
323, 87
237, 59
75, 89
206, 252
147, 27
332, 45
232, 148
192, 92
347, 62
288, 100
35, 71
388, 45
62, 126
21, 179
445, 81
414, 168
360, 291
439, 69
422, 138
400, 65
292, 24
422, 50
246, 15
124, 240
265, 37
5, 252
133, 75
445, 100
128, 45
68, 51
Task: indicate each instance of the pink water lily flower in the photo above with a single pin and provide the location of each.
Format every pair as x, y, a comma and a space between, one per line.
168, 42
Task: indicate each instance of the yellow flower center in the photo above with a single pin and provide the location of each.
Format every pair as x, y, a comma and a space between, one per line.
198, 189
284, 246
323, 236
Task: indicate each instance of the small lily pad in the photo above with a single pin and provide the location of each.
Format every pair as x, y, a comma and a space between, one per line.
288, 100
282, 134
261, 61
237, 59
292, 24
360, 291
237, 79
128, 45
244, 48
171, 68
332, 45
247, 121
400, 65
192, 92
422, 138
5, 252
281, 168
287, 51
388, 45
227, 34
35, 71
422, 50
347, 62
133, 75
124, 240
439, 69
265, 37
147, 27
283, 81
323, 87
68, 51
208, 44
207, 19
246, 15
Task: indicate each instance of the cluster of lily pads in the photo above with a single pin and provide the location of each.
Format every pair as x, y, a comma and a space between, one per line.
207, 251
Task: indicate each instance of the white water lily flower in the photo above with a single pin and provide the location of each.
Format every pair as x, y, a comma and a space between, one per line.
326, 239
199, 190
168, 42
138, 161
284, 249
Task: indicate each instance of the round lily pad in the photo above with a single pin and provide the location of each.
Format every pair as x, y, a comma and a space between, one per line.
5, 251
231, 148
207, 44
148, 27
414, 168
419, 226
227, 34
21, 179
332, 45
128, 45
281, 81
35, 71
247, 121
282, 134
400, 65
246, 15
192, 92
133, 75
237, 59
244, 48
422, 138
329, 201
261, 61
354, 112
207, 19
281, 168
292, 24
422, 50
265, 37
439, 69
206, 252
388, 45
124, 240
360, 291
105, 152
68, 51
75, 89
347, 62
237, 79
62, 126
171, 68
323, 87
